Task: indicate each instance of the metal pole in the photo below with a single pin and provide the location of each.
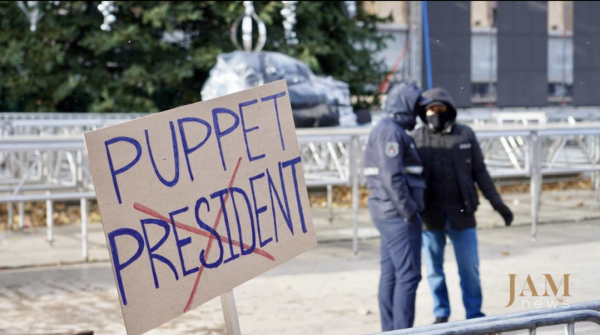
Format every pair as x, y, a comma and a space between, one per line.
11, 215
79, 170
21, 215
84, 229
492, 37
532, 331
427, 46
49, 221
564, 45
416, 46
232, 324
330, 202
596, 141
570, 329
536, 179
354, 173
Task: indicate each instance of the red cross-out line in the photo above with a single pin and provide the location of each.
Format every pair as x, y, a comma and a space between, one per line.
197, 231
215, 225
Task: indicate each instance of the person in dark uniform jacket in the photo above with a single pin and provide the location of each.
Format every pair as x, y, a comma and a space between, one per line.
453, 164
393, 173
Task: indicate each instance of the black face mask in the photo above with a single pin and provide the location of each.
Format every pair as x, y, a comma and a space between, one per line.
438, 121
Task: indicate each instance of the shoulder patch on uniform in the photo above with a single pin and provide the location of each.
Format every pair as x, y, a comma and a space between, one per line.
392, 149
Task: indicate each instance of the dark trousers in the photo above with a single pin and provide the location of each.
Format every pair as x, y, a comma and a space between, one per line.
400, 272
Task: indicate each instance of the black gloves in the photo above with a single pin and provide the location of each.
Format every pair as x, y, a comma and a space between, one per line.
506, 214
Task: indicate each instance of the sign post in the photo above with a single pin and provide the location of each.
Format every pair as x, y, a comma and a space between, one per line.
197, 200
232, 324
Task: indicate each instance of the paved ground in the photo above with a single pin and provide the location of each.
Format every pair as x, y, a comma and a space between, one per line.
324, 291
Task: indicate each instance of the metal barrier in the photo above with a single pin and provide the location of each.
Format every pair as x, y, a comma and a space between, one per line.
21, 123
40, 167
49, 199
510, 151
528, 320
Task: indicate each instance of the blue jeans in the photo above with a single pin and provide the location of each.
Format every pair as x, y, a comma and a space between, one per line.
465, 249
400, 272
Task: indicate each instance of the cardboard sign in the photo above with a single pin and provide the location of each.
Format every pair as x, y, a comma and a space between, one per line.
199, 199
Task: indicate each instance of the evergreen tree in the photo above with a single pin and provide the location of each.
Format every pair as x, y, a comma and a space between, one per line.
157, 54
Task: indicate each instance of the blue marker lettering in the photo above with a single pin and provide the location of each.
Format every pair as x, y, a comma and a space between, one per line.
186, 149
259, 211
213, 232
114, 173
181, 243
246, 131
112, 237
221, 195
274, 98
175, 158
292, 163
233, 191
286, 212
151, 250
219, 134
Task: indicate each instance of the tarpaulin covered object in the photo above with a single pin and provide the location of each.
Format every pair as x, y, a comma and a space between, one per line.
316, 101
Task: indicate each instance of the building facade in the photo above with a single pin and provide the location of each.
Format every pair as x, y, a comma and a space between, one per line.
492, 24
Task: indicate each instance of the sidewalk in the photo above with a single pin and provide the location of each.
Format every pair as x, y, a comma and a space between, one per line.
324, 291
29, 248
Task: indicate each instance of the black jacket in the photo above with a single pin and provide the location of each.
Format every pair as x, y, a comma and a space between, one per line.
392, 166
455, 198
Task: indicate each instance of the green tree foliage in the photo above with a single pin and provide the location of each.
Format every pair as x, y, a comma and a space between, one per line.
158, 53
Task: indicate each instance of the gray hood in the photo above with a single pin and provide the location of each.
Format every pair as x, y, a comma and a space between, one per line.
404, 102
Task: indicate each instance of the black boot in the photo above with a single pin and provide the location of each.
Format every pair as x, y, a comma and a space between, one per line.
440, 320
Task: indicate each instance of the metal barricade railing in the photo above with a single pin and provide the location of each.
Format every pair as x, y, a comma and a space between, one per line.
83, 197
527, 320
37, 168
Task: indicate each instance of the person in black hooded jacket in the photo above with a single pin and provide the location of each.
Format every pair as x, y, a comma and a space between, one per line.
393, 170
453, 164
